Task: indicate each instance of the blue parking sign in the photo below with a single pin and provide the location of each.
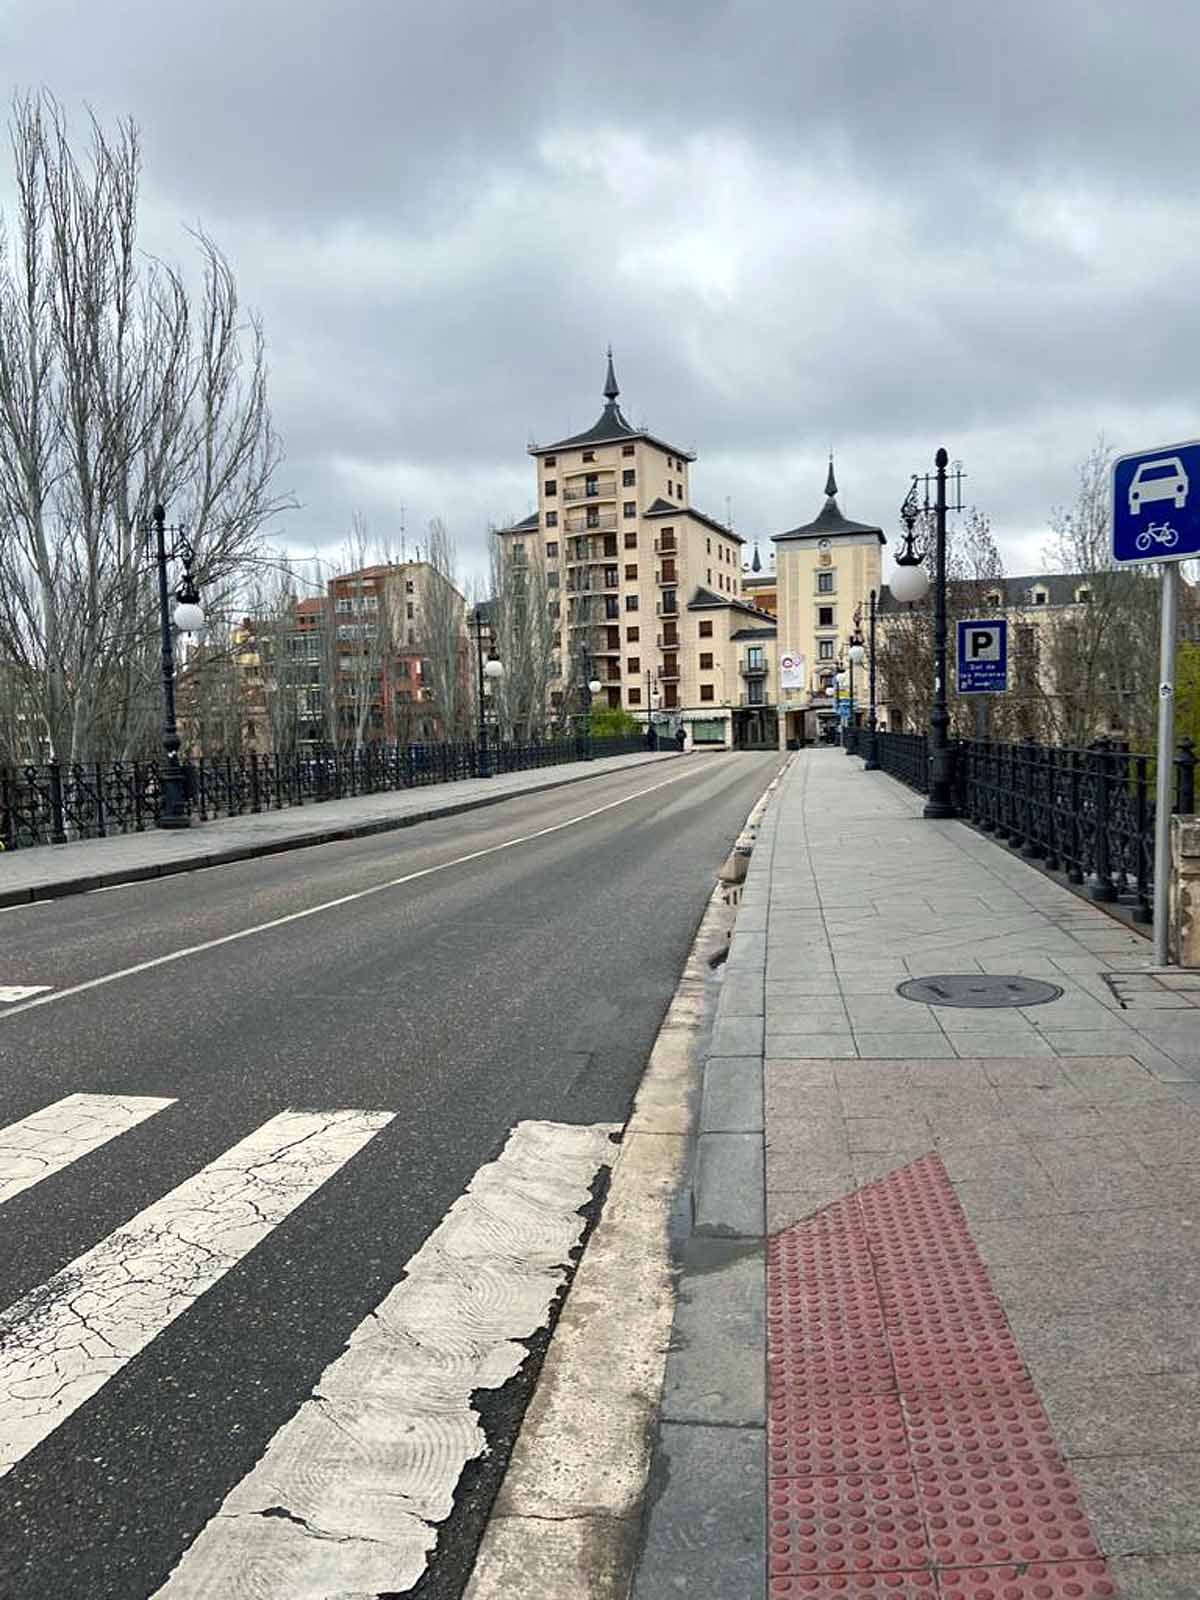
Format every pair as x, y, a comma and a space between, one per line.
983, 657
1156, 504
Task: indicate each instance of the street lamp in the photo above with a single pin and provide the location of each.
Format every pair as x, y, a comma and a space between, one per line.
842, 681
188, 617
871, 764
856, 655
912, 583
493, 670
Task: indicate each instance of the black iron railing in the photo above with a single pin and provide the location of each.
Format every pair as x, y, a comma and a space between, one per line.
1088, 813
53, 804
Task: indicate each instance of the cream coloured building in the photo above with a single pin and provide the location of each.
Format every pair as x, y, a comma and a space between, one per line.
824, 571
648, 588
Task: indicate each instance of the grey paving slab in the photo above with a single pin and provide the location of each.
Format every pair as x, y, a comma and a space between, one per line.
729, 1185
715, 1370
738, 1036
1148, 1502
705, 1532
742, 995
1157, 1577
899, 1045
731, 1100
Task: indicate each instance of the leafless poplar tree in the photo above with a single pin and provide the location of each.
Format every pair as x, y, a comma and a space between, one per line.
116, 392
525, 630
442, 632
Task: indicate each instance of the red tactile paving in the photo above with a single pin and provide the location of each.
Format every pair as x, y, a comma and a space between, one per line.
909, 1454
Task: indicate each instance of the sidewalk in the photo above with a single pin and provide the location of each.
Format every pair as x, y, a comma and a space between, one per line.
51, 871
965, 1238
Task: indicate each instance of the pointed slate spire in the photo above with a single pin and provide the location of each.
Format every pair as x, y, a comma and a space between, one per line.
756, 564
611, 391
830, 481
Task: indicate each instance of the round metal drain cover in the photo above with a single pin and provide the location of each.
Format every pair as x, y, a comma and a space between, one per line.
978, 989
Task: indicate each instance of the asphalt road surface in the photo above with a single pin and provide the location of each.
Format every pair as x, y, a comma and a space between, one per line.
414, 996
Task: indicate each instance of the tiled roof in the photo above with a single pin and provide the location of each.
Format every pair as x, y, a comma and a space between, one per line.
610, 427
668, 508
706, 600
1016, 592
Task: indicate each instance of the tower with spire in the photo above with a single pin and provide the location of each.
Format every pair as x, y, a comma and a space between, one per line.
628, 558
825, 571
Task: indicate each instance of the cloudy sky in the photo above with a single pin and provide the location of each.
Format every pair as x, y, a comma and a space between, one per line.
871, 225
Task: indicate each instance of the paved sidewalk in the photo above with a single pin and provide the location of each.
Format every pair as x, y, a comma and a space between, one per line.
966, 1239
50, 871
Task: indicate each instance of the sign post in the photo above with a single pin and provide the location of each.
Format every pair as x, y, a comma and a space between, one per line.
1156, 517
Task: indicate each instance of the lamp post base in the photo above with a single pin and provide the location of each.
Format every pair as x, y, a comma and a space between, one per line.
937, 808
175, 821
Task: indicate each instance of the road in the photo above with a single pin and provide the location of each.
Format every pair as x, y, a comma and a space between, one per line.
178, 1279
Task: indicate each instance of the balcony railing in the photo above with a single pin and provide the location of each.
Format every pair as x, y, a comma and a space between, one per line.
600, 491
668, 674
754, 669
667, 641
606, 521
665, 609
749, 700
666, 579
665, 547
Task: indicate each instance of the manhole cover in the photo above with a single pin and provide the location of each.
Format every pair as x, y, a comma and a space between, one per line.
978, 989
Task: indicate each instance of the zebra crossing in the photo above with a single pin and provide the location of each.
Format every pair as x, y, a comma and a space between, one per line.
348, 1494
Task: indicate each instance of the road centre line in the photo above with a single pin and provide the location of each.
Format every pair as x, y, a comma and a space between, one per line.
330, 905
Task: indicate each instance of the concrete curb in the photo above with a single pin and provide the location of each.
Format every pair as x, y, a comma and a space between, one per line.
705, 1529
109, 878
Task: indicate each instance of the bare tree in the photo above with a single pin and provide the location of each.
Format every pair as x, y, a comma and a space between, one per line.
116, 392
442, 632
525, 630
364, 635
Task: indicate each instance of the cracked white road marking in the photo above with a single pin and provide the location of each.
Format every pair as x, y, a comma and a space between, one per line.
62, 1341
347, 1497
53, 1137
10, 993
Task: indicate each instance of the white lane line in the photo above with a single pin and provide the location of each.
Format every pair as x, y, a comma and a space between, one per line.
347, 1497
330, 905
62, 1341
20, 991
53, 1137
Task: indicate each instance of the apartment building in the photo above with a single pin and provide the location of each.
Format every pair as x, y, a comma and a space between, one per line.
824, 572
626, 554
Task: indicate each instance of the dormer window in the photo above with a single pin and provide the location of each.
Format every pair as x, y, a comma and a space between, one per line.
589, 455
1083, 596
994, 600
1040, 597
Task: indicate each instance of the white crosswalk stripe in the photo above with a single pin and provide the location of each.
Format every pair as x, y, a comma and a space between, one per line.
61, 1342
346, 1499
53, 1137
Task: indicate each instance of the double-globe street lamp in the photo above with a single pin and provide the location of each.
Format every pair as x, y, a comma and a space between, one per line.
591, 686
188, 617
910, 583
871, 764
855, 655
491, 670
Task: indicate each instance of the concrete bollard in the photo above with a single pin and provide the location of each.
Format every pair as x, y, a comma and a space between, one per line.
1185, 891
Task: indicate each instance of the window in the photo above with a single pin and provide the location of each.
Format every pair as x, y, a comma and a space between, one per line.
552, 550
706, 630
631, 572
708, 575
611, 577
706, 691
669, 604
993, 599
345, 605
552, 519
631, 602
627, 478
825, 617
551, 486
633, 665
670, 696
1040, 597
825, 582
754, 657
824, 649
552, 578
631, 541
550, 461
410, 611
706, 661
708, 547
409, 586
589, 455
679, 491
1083, 596
633, 635
755, 693
626, 449
630, 508
612, 606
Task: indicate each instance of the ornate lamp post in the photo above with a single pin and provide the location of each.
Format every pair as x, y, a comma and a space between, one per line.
855, 655
188, 617
492, 669
871, 764
911, 583
591, 686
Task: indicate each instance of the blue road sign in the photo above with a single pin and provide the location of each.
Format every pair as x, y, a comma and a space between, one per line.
843, 709
1156, 504
983, 657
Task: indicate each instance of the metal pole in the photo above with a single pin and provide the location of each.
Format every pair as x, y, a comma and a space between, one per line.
173, 812
941, 757
872, 762
484, 769
1166, 766
849, 724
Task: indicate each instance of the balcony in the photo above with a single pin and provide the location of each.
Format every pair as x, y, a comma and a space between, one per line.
667, 608
668, 641
575, 492
748, 700
665, 578
669, 674
754, 669
605, 520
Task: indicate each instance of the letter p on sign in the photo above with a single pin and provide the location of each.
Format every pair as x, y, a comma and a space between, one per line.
983, 644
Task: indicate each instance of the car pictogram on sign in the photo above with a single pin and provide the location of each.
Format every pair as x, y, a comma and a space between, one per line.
1163, 479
